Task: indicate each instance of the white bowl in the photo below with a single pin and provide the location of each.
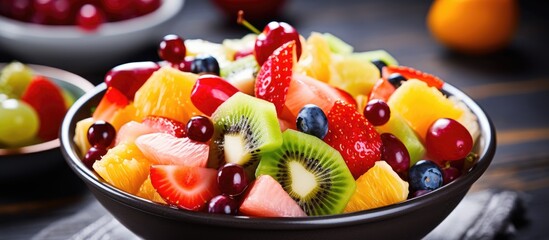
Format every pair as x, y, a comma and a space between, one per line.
71, 47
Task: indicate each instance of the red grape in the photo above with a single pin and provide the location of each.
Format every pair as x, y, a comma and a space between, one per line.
200, 128
101, 134
94, 154
448, 140
223, 204
232, 180
172, 49
395, 153
377, 112
89, 17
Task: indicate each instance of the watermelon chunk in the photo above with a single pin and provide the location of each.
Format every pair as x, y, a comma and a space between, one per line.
164, 148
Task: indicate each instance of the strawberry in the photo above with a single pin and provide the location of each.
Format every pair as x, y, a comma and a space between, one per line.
112, 101
183, 186
409, 73
274, 77
382, 90
129, 77
354, 137
47, 100
165, 125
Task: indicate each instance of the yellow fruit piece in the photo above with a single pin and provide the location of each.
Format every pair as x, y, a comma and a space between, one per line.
354, 75
196, 47
81, 135
123, 116
473, 26
315, 60
421, 105
167, 93
147, 191
361, 102
379, 186
124, 167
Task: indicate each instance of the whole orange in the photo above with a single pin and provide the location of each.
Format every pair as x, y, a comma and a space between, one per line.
473, 26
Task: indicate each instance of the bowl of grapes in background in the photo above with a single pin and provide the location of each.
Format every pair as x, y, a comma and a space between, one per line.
33, 102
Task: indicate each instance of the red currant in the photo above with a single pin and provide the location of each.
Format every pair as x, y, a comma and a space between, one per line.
89, 17
222, 204
377, 112
101, 134
94, 154
232, 179
172, 49
448, 140
200, 128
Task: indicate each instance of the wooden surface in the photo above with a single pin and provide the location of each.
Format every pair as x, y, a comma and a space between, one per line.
511, 85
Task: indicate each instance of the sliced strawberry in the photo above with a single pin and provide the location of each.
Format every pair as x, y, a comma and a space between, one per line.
354, 137
267, 198
304, 90
47, 100
163, 148
274, 77
165, 125
409, 73
185, 187
112, 101
382, 90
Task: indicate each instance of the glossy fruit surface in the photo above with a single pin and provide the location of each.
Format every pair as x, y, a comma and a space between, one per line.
200, 128
89, 17
101, 134
379, 186
209, 92
312, 120
382, 90
411, 73
274, 35
94, 154
425, 175
112, 101
17, 77
223, 204
447, 139
450, 174
129, 77
172, 49
232, 180
165, 125
205, 65
394, 152
19, 123
377, 112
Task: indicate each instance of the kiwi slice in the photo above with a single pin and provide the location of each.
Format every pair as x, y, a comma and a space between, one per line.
242, 73
244, 128
313, 173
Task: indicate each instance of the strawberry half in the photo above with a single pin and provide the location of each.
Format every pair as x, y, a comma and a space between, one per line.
409, 73
185, 187
112, 101
47, 100
274, 77
354, 137
165, 125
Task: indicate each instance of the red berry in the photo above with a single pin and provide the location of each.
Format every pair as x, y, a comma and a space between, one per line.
274, 35
89, 17
146, 6
94, 154
222, 204
172, 49
232, 179
448, 140
377, 112
101, 134
449, 174
209, 92
395, 153
200, 128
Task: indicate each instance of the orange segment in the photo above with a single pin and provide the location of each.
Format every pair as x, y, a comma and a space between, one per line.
167, 93
379, 186
421, 105
124, 167
147, 191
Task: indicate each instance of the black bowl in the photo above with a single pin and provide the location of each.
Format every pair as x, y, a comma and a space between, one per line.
23, 162
411, 219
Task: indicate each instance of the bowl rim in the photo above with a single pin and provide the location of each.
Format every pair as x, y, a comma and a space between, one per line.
487, 142
57, 74
14, 29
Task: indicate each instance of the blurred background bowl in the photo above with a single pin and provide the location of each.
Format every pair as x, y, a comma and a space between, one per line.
70, 47
411, 219
30, 160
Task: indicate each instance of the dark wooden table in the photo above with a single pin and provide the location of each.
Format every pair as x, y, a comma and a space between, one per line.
511, 85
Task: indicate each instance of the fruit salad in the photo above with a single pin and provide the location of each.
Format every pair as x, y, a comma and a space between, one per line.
32, 106
275, 125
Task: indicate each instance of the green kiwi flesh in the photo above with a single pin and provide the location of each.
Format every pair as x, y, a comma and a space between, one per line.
244, 128
313, 173
242, 73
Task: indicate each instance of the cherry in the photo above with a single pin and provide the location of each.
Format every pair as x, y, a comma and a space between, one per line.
101, 134
395, 153
118, 9
232, 179
377, 112
20, 10
172, 49
223, 204
89, 17
60, 12
94, 153
146, 6
200, 128
448, 140
210, 91
129, 77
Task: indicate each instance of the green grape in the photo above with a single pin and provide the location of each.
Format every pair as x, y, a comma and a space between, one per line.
19, 123
17, 76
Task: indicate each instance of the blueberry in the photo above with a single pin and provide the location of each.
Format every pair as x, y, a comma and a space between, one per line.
379, 64
425, 175
312, 120
205, 64
396, 79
